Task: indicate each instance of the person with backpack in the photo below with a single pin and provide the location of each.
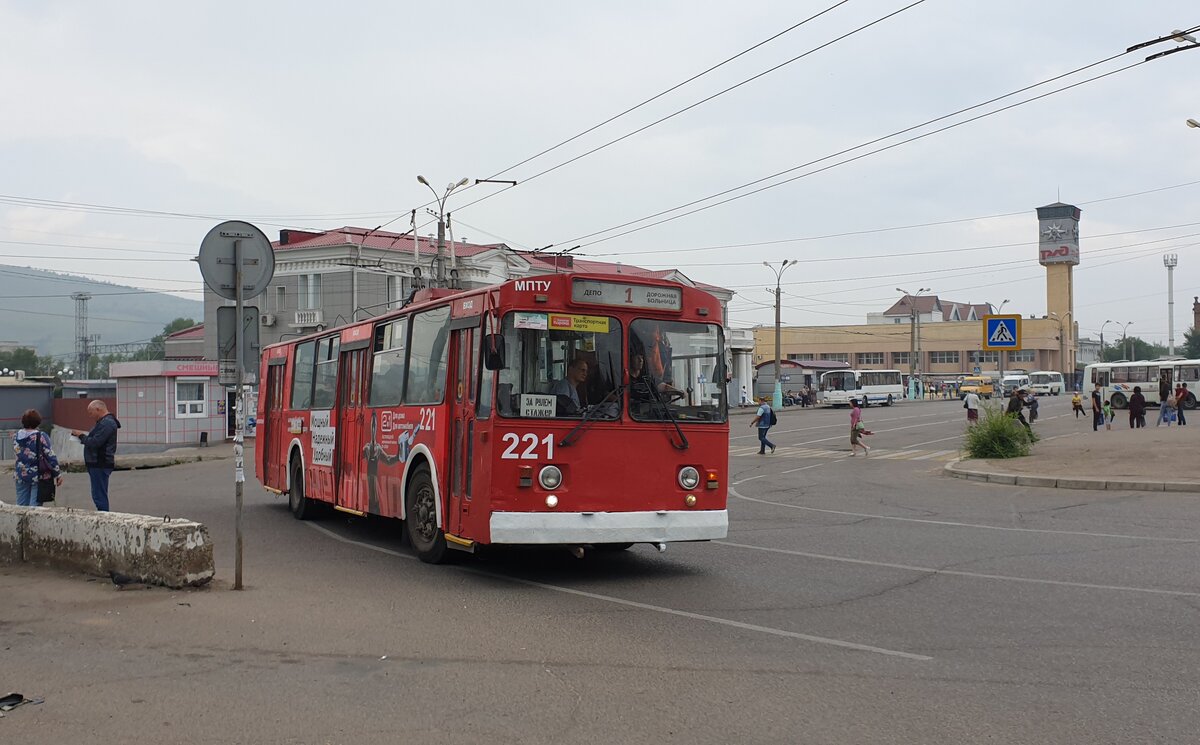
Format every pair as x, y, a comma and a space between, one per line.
764, 420
37, 466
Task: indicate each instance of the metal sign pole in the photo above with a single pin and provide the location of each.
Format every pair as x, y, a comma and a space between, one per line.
239, 472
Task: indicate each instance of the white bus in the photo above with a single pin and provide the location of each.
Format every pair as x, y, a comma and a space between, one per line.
1118, 379
870, 386
1046, 383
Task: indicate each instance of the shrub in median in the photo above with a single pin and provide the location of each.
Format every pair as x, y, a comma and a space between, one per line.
997, 435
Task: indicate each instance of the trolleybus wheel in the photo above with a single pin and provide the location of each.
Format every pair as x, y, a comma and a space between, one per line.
420, 518
1119, 401
302, 507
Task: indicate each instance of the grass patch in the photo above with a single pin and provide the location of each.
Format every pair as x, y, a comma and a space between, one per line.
997, 435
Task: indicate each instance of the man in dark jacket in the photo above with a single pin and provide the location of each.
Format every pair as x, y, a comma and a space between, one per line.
99, 451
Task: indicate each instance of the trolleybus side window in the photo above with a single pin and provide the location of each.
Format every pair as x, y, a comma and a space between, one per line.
325, 379
302, 375
427, 351
387, 364
1187, 373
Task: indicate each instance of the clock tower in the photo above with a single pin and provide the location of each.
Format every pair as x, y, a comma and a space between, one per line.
1058, 251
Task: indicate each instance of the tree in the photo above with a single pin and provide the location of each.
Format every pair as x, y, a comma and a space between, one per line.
1191, 344
23, 358
156, 349
1140, 349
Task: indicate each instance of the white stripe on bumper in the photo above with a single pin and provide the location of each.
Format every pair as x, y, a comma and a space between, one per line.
608, 527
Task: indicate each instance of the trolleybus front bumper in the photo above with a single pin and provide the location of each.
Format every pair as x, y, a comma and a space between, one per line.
608, 527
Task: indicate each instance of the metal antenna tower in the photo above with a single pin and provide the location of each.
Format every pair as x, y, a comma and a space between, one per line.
82, 341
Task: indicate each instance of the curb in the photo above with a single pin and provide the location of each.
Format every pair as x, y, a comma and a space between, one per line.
957, 470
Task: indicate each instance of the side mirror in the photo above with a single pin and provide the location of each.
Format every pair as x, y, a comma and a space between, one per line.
493, 352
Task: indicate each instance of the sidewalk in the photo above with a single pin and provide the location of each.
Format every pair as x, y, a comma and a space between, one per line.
1150, 459
132, 461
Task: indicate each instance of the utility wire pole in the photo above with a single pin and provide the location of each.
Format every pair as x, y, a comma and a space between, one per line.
777, 394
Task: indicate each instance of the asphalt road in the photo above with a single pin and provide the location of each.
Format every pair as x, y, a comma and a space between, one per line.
856, 600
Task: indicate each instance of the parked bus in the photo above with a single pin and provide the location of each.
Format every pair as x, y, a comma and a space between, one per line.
1118, 379
868, 386
580, 410
1046, 383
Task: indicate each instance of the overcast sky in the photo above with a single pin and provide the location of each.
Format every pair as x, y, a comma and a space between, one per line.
318, 115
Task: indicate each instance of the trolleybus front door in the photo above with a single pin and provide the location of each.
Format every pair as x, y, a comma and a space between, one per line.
271, 445
462, 427
350, 431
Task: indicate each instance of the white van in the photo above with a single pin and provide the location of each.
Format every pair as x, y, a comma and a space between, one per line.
1047, 383
1010, 383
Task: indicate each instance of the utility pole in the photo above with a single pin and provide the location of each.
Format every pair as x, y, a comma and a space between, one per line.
82, 342
914, 332
777, 395
1101, 359
440, 261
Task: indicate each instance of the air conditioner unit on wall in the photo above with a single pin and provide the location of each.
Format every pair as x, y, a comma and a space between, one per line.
267, 319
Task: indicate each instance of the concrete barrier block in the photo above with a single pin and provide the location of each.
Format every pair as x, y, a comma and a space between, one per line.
1080, 484
971, 476
1181, 486
1001, 478
12, 521
1134, 485
1046, 481
178, 553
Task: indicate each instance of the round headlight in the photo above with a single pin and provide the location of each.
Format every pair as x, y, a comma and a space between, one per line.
550, 477
551, 501
689, 478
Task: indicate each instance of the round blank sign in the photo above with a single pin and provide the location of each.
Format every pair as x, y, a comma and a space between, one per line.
217, 259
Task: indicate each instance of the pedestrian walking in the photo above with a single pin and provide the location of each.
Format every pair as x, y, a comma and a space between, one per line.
763, 420
36, 464
1137, 409
1015, 403
1077, 404
1181, 395
1164, 402
1097, 408
1031, 402
1108, 414
857, 430
971, 404
745, 396
99, 451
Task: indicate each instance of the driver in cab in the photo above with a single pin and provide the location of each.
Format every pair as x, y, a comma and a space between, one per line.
577, 372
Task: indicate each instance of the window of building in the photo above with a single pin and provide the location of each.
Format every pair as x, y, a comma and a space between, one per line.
280, 298
897, 320
427, 350
397, 290
899, 358
943, 358
870, 358
309, 295
835, 356
189, 398
800, 356
1024, 355
985, 356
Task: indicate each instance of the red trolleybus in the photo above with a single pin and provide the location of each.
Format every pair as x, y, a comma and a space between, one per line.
581, 410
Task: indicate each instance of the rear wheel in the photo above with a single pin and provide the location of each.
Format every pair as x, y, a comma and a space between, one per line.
1119, 401
302, 507
1189, 401
420, 518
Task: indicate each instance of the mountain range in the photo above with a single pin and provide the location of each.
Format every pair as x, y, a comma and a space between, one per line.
41, 314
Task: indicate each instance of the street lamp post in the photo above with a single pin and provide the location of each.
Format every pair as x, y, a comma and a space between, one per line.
440, 263
1062, 348
914, 340
1102, 340
1000, 353
777, 394
1170, 261
1124, 349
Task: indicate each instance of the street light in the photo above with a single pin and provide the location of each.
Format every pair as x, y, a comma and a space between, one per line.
1062, 353
914, 340
777, 395
999, 307
1193, 123
1124, 329
1102, 339
441, 215
1170, 261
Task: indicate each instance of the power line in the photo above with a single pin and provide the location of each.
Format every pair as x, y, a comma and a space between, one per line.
697, 103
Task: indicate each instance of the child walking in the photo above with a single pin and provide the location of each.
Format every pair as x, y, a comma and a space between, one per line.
1077, 404
1108, 414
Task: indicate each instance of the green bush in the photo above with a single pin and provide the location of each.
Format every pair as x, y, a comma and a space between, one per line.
997, 435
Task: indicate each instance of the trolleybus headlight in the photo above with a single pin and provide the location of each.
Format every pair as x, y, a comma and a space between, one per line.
550, 477
689, 478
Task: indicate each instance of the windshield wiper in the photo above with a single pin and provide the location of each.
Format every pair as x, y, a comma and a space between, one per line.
667, 409
592, 412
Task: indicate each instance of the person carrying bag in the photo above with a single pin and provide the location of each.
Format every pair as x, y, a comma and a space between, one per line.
36, 472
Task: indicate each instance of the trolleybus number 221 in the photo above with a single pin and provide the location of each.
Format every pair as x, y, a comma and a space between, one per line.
531, 446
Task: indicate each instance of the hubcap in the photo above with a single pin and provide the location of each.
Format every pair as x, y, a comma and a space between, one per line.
424, 517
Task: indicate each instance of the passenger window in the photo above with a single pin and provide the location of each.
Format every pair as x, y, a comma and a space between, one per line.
325, 379
387, 365
302, 376
427, 354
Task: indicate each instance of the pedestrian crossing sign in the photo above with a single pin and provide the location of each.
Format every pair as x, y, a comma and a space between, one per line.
1002, 332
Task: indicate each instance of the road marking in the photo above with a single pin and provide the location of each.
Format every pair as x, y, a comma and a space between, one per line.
644, 606
840, 425
957, 573
961, 525
935, 454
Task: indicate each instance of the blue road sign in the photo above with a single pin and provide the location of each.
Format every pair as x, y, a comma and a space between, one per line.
1002, 332
977, 370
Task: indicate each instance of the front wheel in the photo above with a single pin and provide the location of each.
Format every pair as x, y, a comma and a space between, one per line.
420, 518
1119, 401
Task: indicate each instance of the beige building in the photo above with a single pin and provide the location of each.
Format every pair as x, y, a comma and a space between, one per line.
947, 348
